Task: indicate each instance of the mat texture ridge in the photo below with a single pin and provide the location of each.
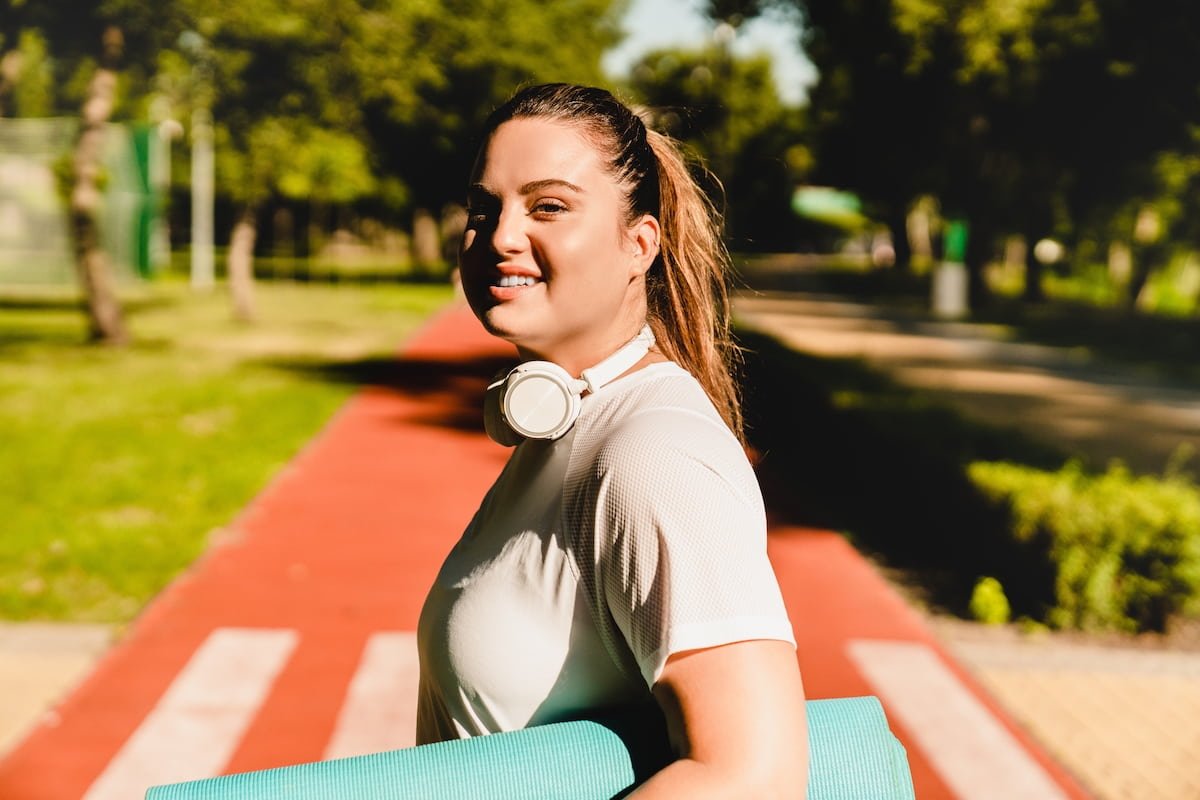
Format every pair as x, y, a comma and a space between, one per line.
852, 756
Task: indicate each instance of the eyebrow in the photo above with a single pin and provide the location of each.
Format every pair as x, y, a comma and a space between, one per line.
534, 186
528, 188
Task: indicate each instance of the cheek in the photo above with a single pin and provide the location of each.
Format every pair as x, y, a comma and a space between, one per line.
472, 266
468, 239
587, 257
472, 253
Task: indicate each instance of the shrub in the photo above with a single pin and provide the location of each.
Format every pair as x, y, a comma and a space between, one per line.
988, 603
1125, 548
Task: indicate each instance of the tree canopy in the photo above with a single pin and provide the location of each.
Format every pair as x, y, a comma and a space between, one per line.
728, 112
1039, 117
329, 99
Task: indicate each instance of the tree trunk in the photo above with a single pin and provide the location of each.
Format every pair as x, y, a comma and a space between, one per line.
898, 226
10, 72
103, 308
427, 243
1146, 258
1033, 272
241, 264
979, 252
1149, 252
918, 226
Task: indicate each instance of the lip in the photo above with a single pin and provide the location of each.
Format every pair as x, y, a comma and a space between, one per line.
505, 293
512, 270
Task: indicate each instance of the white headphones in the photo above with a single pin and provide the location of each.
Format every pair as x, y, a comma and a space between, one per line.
540, 399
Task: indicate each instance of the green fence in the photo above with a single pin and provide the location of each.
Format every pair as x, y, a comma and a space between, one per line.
35, 234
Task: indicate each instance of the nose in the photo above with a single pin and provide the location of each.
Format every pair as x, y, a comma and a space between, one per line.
509, 234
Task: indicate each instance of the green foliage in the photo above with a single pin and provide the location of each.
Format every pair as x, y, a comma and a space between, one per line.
426, 105
709, 98
1025, 116
1087, 284
988, 603
33, 94
845, 448
295, 159
122, 465
332, 99
1126, 549
727, 111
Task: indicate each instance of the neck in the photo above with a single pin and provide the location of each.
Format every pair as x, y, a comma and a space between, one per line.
583, 352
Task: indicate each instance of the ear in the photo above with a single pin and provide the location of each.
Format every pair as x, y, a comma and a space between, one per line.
645, 237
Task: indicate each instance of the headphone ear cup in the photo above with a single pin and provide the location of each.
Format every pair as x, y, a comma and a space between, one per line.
498, 429
541, 400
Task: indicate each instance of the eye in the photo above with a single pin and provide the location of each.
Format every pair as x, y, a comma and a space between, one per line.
548, 208
479, 214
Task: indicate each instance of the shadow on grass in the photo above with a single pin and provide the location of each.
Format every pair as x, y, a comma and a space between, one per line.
451, 391
844, 448
60, 320
16, 301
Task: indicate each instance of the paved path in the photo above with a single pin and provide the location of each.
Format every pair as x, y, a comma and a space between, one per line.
291, 640
1126, 721
1056, 395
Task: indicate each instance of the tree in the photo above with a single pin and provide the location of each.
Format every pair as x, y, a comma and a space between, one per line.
283, 98
425, 99
333, 101
104, 311
873, 118
92, 44
1017, 115
729, 113
344, 100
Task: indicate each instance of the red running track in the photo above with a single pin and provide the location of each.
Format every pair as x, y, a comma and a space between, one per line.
331, 563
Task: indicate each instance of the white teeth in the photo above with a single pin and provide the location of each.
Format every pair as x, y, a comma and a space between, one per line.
516, 280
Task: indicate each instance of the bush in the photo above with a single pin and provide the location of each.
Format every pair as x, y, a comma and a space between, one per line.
1125, 548
988, 603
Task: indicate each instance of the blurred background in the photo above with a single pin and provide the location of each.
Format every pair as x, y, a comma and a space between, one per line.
965, 235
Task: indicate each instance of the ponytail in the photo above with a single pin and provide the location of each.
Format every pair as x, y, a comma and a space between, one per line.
688, 291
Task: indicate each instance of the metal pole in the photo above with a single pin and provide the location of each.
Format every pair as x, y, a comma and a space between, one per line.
203, 272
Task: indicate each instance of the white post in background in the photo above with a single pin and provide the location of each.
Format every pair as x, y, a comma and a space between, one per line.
203, 272
949, 286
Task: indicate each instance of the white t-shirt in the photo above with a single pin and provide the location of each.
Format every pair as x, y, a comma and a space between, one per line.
639, 534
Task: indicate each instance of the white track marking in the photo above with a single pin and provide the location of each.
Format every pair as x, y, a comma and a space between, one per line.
973, 753
200, 720
380, 711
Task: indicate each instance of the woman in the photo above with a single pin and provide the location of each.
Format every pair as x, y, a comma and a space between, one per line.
618, 563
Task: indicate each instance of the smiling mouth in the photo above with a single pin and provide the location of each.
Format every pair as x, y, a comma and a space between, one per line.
509, 281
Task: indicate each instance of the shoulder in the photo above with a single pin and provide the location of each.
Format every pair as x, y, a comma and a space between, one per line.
669, 440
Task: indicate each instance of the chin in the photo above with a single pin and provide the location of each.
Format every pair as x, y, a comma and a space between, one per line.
500, 324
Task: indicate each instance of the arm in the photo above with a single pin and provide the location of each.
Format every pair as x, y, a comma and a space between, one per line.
735, 714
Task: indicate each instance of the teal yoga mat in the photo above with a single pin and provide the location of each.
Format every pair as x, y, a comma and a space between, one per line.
852, 756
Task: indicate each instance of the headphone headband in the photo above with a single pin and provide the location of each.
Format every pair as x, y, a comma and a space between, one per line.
616, 364
540, 399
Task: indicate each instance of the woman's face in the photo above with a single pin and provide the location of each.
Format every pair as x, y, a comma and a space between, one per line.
548, 261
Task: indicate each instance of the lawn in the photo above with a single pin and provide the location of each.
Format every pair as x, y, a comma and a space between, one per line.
120, 465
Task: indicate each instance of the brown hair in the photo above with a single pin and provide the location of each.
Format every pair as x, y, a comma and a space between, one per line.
687, 291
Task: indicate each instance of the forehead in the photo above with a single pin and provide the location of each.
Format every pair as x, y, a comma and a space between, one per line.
530, 149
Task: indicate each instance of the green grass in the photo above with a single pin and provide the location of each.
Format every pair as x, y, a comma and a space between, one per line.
120, 465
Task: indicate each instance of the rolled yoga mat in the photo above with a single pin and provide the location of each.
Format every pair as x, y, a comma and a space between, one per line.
852, 756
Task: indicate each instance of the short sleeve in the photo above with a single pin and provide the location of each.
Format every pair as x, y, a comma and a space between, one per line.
684, 565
